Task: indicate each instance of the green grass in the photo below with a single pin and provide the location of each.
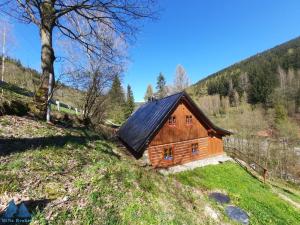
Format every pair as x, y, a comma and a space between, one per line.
112, 191
290, 190
104, 186
5, 122
291, 195
18, 75
263, 206
101, 185
13, 92
63, 110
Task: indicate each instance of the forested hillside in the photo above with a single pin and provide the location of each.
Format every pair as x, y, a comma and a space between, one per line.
259, 100
271, 77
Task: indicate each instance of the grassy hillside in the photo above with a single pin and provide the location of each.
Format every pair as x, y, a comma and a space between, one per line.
29, 79
19, 101
74, 176
245, 191
25, 81
87, 181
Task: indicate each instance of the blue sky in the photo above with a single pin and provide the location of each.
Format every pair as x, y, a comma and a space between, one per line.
202, 35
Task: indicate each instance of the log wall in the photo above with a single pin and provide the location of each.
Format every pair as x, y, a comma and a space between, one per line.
181, 137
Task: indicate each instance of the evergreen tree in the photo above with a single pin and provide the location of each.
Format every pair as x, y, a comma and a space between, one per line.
262, 83
161, 86
129, 102
280, 113
149, 92
117, 107
116, 93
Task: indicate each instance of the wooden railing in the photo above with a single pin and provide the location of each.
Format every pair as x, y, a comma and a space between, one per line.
237, 154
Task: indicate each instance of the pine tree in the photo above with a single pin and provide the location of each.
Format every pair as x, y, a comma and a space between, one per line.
116, 92
149, 92
117, 102
161, 86
262, 82
129, 102
280, 113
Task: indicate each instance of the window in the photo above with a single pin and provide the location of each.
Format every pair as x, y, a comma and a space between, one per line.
188, 120
195, 149
168, 153
172, 120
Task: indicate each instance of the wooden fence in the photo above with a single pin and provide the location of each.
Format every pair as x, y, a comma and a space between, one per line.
280, 156
239, 155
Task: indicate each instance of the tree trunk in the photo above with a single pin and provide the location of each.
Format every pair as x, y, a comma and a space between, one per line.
45, 91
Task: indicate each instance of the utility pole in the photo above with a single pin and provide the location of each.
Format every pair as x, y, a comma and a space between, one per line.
3, 54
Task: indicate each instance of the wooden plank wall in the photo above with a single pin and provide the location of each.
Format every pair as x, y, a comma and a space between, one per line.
215, 145
182, 152
181, 137
181, 131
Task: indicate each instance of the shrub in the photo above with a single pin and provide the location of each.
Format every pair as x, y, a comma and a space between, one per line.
280, 113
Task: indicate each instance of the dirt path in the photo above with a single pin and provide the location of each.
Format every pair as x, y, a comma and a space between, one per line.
286, 198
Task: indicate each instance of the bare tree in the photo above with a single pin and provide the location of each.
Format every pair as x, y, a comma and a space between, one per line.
149, 93
94, 74
67, 17
99, 81
181, 80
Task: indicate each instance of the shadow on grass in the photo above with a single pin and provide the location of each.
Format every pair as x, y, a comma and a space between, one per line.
285, 190
16, 89
109, 151
12, 145
36, 205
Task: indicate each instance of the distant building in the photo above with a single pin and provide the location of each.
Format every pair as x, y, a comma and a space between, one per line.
171, 131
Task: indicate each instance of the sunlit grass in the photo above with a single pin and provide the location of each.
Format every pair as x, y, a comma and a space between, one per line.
263, 206
101, 187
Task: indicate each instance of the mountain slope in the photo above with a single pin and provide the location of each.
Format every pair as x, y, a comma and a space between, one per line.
29, 79
259, 100
257, 76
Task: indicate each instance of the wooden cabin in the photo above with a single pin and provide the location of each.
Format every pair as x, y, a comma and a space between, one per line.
171, 131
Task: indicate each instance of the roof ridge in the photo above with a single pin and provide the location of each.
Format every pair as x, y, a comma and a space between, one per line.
180, 92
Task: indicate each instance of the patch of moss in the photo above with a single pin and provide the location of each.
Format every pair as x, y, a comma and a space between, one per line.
54, 190
5, 122
9, 183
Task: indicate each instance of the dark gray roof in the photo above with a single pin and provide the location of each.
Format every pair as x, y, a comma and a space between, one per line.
137, 131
